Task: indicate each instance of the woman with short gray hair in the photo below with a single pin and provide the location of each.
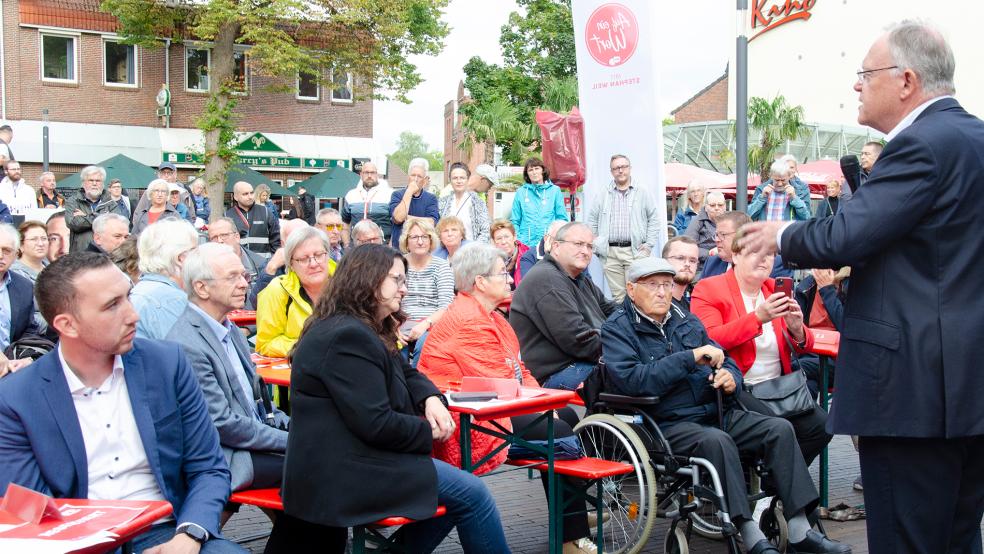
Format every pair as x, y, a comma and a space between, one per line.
474, 339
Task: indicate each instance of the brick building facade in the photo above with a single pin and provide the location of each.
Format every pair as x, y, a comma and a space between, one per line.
64, 56
454, 135
710, 104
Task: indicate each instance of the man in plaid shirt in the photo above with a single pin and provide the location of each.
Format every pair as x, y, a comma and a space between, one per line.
784, 197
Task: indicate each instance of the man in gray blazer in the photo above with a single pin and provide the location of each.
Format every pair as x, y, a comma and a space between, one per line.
253, 436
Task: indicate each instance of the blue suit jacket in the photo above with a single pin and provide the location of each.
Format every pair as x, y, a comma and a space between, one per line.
41, 442
21, 293
909, 362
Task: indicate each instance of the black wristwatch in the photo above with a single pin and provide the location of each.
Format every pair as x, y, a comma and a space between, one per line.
193, 530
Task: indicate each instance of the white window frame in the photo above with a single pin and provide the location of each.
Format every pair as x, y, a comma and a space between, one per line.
136, 64
208, 65
75, 37
350, 83
317, 93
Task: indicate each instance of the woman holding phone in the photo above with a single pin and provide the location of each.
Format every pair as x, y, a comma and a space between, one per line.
760, 325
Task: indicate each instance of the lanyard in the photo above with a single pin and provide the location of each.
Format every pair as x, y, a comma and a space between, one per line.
366, 199
246, 221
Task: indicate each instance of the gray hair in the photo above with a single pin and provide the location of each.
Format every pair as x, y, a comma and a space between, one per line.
89, 170
198, 265
693, 185
779, 168
567, 227
224, 219
162, 243
158, 183
789, 158
418, 162
301, 235
13, 233
920, 47
99, 224
364, 226
472, 260
714, 195
45, 174
325, 212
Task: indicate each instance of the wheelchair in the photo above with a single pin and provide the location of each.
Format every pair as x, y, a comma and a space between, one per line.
686, 490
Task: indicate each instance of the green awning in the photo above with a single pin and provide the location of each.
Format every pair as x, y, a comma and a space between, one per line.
240, 172
333, 182
131, 173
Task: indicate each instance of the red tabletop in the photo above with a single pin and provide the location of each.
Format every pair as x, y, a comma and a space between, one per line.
825, 343
274, 375
551, 399
243, 317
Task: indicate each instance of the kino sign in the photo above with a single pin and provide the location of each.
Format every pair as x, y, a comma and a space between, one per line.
769, 15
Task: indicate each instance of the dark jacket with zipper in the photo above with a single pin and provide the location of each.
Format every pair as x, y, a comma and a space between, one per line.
643, 358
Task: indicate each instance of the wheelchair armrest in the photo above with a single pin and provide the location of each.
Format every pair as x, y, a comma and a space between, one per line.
610, 398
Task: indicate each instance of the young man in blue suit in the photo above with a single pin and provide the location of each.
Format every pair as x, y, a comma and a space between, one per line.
108, 416
909, 376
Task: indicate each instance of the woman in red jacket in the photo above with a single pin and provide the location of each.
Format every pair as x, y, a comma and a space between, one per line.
758, 328
474, 339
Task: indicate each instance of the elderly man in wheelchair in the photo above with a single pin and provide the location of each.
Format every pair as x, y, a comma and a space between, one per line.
654, 348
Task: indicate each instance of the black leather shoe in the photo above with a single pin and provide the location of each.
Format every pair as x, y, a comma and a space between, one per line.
815, 543
764, 547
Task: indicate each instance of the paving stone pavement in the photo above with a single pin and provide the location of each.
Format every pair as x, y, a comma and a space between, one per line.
524, 513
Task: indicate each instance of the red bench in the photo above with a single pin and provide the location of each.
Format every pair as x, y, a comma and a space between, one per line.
270, 499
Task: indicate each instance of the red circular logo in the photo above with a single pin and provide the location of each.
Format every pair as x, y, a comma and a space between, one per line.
612, 34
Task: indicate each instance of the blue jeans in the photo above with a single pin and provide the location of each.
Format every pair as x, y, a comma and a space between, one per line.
163, 532
411, 353
471, 509
571, 377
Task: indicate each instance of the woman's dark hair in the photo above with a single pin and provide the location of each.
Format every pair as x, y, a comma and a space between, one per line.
353, 291
535, 162
459, 165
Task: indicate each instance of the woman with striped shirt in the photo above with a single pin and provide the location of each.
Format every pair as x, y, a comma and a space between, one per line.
430, 284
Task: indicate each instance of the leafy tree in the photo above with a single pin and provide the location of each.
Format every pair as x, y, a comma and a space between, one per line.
777, 122
372, 39
411, 145
539, 71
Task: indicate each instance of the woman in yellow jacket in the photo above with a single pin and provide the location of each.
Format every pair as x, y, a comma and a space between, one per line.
284, 305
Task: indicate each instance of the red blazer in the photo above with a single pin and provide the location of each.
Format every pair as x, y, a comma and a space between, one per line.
717, 301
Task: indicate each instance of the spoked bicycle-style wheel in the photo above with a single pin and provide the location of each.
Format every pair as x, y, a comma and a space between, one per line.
630, 499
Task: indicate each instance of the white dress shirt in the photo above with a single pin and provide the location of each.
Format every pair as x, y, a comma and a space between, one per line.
115, 455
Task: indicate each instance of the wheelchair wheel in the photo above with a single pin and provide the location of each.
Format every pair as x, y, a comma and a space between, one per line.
676, 541
773, 525
630, 498
707, 523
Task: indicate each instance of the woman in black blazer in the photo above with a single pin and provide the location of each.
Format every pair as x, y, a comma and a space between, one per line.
362, 425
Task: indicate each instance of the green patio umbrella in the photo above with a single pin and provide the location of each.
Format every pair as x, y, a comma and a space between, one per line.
240, 172
333, 182
131, 173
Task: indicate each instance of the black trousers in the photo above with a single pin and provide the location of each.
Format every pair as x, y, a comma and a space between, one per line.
290, 532
575, 524
811, 428
923, 496
770, 438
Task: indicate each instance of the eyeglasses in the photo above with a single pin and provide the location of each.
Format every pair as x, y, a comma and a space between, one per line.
245, 276
865, 74
373, 240
505, 274
312, 259
36, 239
684, 260
663, 286
158, 192
622, 167
400, 280
723, 236
333, 226
222, 237
577, 244
418, 238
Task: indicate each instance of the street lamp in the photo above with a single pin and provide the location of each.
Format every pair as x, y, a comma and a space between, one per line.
741, 108
44, 139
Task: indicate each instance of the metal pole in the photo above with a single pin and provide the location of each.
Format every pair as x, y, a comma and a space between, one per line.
741, 108
44, 140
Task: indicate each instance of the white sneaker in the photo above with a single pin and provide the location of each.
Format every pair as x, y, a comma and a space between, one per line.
583, 545
760, 507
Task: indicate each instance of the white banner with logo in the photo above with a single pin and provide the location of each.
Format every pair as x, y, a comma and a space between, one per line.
618, 81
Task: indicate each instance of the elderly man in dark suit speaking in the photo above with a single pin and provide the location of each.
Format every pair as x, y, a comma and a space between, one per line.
253, 438
909, 376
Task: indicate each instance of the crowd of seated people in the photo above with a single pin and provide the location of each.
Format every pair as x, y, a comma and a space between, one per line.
462, 297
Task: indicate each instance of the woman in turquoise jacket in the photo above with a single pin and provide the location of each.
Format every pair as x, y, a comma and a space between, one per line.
537, 204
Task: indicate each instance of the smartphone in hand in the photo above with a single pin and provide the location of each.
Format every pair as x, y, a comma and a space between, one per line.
785, 286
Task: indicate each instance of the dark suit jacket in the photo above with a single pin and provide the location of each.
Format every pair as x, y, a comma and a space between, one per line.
910, 361
21, 294
716, 266
358, 448
41, 442
234, 413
